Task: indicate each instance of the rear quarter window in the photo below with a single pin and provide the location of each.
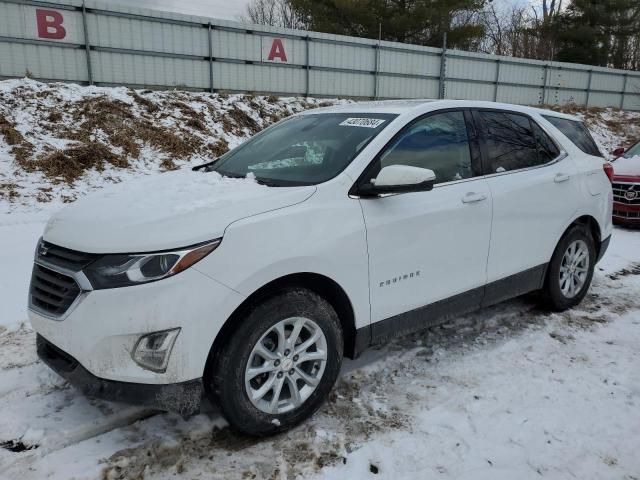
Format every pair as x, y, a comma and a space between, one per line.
577, 133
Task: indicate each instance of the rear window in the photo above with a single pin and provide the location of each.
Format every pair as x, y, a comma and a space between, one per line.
577, 133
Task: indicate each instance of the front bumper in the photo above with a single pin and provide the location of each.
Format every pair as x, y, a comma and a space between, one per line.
183, 398
624, 214
102, 331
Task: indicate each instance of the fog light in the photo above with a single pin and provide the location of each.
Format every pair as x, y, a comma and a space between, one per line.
153, 350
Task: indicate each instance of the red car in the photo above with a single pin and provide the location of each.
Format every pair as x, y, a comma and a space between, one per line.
626, 186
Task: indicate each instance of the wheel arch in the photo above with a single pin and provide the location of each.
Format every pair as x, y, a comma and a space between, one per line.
324, 286
592, 226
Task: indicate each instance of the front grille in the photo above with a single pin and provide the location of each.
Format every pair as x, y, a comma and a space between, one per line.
52, 292
64, 257
627, 193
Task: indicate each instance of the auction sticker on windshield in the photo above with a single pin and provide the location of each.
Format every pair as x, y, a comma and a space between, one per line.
362, 122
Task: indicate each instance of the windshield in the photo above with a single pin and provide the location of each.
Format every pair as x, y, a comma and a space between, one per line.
633, 151
304, 150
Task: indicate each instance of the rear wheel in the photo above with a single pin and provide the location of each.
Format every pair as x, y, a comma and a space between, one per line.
571, 269
279, 365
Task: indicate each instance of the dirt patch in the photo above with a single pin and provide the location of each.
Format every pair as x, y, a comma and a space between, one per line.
240, 122
632, 270
121, 129
54, 117
17, 446
18, 348
218, 148
9, 191
71, 163
299, 451
144, 102
9, 133
21, 148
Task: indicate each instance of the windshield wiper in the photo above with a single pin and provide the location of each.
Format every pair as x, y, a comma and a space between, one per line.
268, 182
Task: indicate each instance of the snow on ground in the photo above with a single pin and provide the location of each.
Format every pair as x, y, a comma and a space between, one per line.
510, 392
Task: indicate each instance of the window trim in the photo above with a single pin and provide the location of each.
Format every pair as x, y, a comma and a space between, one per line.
474, 150
481, 140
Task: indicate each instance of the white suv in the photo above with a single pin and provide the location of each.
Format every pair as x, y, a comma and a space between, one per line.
251, 276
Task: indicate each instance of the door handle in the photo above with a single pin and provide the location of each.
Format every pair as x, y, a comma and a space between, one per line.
473, 197
561, 177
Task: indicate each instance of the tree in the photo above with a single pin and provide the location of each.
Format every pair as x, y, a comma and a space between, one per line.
504, 30
600, 33
421, 22
275, 13
521, 30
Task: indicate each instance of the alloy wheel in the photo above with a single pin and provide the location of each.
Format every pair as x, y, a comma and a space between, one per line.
574, 268
286, 365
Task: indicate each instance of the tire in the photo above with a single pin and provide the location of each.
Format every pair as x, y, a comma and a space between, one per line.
567, 282
228, 379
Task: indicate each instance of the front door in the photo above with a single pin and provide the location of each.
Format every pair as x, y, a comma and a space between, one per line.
427, 247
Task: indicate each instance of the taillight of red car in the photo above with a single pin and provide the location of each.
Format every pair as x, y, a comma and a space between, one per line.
608, 170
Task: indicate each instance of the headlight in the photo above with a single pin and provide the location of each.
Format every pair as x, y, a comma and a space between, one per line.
112, 271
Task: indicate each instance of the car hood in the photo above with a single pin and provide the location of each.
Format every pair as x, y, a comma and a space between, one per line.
626, 166
164, 211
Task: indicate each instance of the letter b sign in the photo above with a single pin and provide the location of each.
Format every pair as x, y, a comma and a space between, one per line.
49, 24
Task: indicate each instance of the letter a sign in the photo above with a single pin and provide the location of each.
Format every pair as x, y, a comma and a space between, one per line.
274, 50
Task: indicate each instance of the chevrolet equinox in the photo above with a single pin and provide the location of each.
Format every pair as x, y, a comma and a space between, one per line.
250, 277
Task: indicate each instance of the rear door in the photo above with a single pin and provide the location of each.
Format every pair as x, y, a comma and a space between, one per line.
428, 246
534, 195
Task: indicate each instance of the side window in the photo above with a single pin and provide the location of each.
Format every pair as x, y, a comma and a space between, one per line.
510, 142
577, 133
547, 149
438, 142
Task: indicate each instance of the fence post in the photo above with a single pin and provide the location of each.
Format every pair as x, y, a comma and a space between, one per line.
210, 41
307, 40
544, 85
87, 46
589, 87
443, 60
495, 91
376, 70
624, 89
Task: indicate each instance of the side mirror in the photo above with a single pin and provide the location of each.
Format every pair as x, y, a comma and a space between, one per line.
618, 151
399, 179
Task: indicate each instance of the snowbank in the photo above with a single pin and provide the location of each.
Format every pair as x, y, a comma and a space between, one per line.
60, 141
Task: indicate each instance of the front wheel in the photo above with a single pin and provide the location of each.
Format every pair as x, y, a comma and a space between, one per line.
571, 270
279, 365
